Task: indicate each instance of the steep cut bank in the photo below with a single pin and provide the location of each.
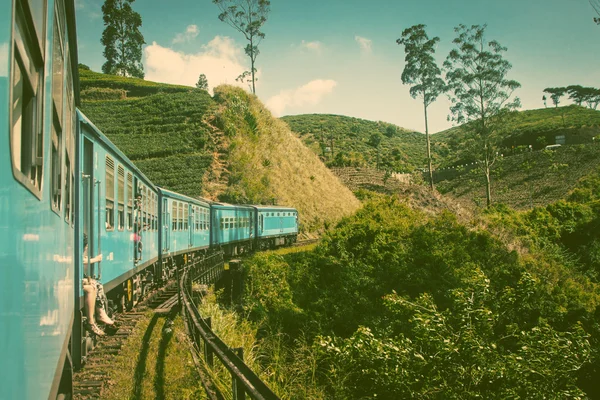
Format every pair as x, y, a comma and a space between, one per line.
228, 148
269, 164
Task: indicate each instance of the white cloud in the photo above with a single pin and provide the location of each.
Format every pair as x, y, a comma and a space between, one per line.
4, 59
315, 46
308, 94
364, 43
190, 33
221, 60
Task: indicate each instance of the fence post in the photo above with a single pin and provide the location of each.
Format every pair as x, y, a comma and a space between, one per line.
208, 354
237, 282
236, 386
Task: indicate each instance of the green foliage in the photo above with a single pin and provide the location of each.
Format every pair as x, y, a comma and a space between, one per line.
122, 39
481, 93
134, 87
103, 94
555, 94
455, 353
352, 141
421, 69
409, 305
202, 82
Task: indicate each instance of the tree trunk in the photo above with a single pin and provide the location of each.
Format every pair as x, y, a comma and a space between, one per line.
428, 148
252, 64
488, 183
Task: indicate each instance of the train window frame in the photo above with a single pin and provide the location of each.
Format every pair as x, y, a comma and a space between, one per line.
174, 215
56, 168
129, 201
109, 201
186, 216
120, 198
69, 145
27, 79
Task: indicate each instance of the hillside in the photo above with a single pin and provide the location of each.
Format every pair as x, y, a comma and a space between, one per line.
228, 148
537, 128
525, 180
344, 141
404, 151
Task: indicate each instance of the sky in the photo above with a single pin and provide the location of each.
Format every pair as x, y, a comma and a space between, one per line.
341, 57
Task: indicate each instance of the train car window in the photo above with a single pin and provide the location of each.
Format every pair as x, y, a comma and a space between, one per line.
56, 167
155, 212
129, 201
58, 60
222, 224
121, 197
174, 216
69, 148
145, 208
180, 224
110, 194
186, 217
26, 137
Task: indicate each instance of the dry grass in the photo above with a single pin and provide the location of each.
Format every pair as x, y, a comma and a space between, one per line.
153, 365
268, 159
288, 373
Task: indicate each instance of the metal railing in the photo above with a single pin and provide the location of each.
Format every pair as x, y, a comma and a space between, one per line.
244, 380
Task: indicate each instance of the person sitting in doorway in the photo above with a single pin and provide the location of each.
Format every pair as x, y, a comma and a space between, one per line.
94, 297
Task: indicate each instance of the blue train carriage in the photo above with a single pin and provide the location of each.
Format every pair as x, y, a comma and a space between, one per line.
233, 228
185, 230
38, 96
275, 226
118, 212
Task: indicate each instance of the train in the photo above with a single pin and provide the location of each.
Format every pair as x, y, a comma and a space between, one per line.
61, 179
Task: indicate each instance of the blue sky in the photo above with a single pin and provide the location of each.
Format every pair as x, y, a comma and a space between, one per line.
341, 56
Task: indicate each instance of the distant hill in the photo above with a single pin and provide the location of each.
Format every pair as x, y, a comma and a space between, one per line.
226, 148
532, 127
343, 141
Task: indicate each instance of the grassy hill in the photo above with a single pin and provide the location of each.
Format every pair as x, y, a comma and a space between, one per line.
227, 148
402, 150
344, 141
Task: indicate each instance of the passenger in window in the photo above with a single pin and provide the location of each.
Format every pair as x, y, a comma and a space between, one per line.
94, 297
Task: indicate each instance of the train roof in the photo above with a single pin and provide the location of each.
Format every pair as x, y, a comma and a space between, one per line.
274, 208
227, 205
178, 196
105, 141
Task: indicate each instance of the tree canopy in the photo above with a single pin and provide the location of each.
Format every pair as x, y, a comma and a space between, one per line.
481, 92
202, 82
422, 72
122, 39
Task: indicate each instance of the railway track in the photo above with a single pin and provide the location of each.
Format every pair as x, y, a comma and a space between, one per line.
89, 382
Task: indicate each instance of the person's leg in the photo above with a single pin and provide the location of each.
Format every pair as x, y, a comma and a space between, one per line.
101, 314
89, 294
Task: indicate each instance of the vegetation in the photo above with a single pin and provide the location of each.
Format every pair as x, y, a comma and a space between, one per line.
267, 163
230, 149
400, 150
579, 126
122, 39
134, 87
202, 82
524, 180
481, 93
400, 304
246, 17
422, 71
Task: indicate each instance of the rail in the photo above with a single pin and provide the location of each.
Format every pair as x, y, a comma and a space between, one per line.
244, 380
